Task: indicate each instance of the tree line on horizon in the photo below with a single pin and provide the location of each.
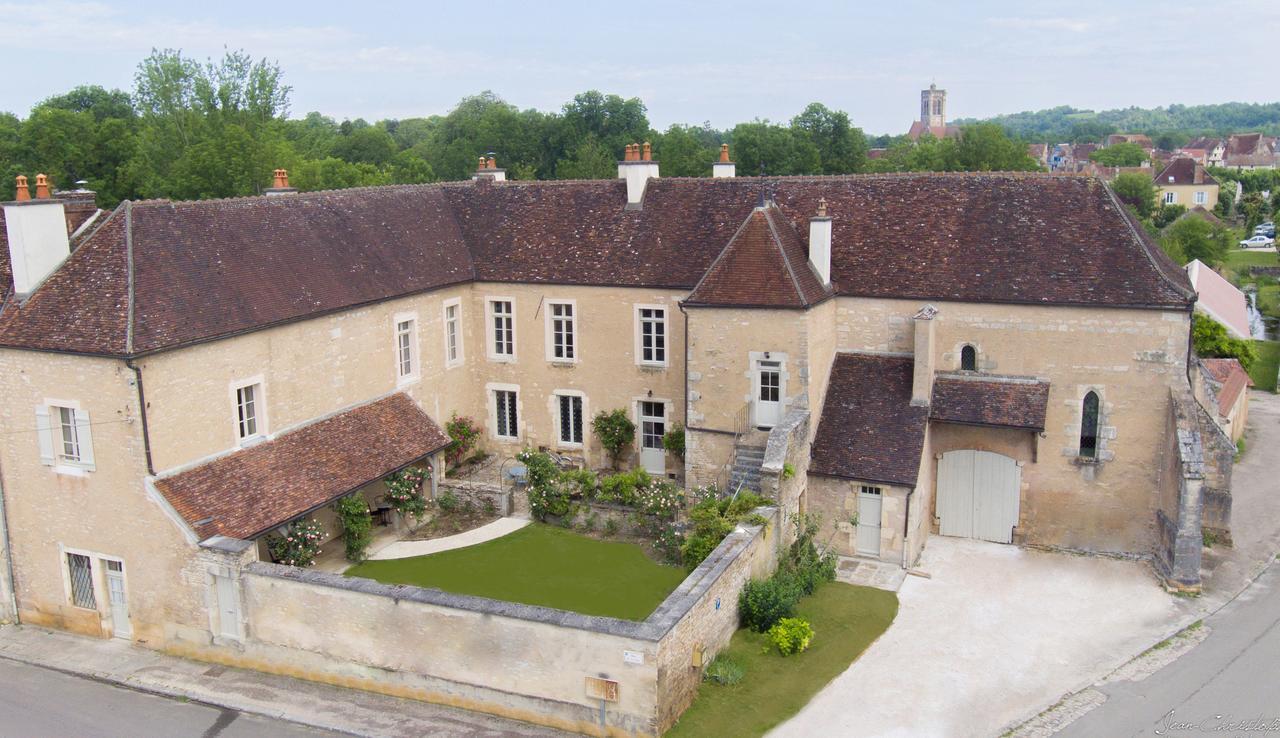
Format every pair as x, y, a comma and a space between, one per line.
1169, 127
196, 130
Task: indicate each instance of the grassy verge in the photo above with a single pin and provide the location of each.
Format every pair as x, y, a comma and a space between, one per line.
1263, 371
541, 565
1239, 260
845, 620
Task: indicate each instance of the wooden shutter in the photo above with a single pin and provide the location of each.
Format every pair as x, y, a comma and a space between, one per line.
44, 432
85, 434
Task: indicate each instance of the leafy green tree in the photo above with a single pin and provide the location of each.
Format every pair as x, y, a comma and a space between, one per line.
1195, 238
1120, 155
687, 151
591, 160
367, 145
485, 123
985, 148
776, 150
615, 431
609, 119
1211, 340
1166, 214
1136, 190
842, 148
332, 173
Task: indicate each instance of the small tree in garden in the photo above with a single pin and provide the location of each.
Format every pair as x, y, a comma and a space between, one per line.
615, 431
357, 525
404, 491
465, 434
673, 441
298, 544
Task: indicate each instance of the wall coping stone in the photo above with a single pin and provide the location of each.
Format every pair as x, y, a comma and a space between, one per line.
775, 450
654, 628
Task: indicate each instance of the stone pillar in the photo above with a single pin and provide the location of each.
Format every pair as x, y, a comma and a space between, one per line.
223, 560
922, 376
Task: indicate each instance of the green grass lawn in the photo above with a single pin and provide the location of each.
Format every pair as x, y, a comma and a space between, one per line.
845, 620
1263, 371
541, 565
1239, 260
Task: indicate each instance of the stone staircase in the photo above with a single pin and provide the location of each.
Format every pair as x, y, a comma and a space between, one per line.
747, 461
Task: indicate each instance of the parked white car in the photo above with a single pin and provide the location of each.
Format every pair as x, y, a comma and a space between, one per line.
1257, 242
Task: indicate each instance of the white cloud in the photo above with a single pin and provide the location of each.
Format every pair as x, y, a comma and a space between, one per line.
1073, 25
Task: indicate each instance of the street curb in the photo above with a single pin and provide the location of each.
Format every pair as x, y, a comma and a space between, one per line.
1181, 626
169, 693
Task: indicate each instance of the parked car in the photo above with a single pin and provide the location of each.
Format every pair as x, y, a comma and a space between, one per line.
1257, 242
1265, 230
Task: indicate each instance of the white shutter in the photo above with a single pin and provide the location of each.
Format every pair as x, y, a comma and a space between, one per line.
85, 434
44, 432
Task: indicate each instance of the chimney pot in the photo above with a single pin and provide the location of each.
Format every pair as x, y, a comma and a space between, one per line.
648, 153
493, 163
822, 207
24, 191
281, 177
42, 187
483, 162
724, 153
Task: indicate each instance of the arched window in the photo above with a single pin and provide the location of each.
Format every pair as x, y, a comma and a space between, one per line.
1089, 426
969, 359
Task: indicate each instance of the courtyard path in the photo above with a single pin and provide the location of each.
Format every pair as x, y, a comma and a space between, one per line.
488, 532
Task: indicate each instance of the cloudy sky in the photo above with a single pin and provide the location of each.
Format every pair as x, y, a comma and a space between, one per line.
722, 62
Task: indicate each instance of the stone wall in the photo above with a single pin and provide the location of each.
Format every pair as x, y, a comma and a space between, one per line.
1180, 478
520, 661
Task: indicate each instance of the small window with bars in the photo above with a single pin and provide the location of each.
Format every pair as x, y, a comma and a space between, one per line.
505, 417
562, 332
969, 359
653, 336
504, 340
247, 398
571, 419
80, 569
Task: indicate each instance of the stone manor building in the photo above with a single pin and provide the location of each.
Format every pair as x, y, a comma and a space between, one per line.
998, 356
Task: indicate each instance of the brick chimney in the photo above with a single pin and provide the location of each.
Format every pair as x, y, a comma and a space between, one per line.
820, 242
724, 167
488, 169
279, 184
637, 167
922, 376
37, 231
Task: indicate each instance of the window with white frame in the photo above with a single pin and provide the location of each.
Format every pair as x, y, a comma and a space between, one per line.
249, 411
80, 574
1170, 197
1201, 197
452, 333
562, 332
406, 344
506, 419
570, 419
653, 335
65, 436
502, 335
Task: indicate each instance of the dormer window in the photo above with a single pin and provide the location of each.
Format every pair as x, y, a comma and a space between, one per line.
969, 359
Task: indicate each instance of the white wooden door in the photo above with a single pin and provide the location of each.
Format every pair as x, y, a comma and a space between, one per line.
653, 425
768, 395
978, 495
228, 607
869, 521
118, 599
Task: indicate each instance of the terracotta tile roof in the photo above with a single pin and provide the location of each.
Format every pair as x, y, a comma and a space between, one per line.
1008, 402
1199, 211
1140, 139
1184, 172
765, 265
918, 129
251, 491
869, 430
1231, 378
6, 269
204, 270
1220, 299
1203, 143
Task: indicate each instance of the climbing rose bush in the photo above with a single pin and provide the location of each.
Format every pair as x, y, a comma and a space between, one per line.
404, 491
661, 499
298, 545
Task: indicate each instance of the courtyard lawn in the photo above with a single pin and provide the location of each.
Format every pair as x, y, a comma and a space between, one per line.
1263, 371
541, 565
1239, 260
845, 619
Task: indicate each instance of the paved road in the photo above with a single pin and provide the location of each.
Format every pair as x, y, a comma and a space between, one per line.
35, 703
1232, 676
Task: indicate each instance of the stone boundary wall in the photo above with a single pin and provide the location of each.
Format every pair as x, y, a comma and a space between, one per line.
519, 661
478, 494
1178, 512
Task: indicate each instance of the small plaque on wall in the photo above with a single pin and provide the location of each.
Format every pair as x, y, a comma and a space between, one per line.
633, 657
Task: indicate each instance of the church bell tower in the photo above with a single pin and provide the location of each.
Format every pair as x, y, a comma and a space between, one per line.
933, 106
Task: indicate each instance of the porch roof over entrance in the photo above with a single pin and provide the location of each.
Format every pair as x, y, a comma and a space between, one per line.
1004, 402
869, 429
248, 492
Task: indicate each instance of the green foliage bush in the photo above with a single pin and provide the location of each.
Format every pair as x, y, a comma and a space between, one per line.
298, 545
464, 434
580, 484
673, 441
404, 491
711, 520
1210, 339
357, 525
623, 487
547, 496
1137, 191
447, 502
791, 635
764, 602
615, 431
724, 670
